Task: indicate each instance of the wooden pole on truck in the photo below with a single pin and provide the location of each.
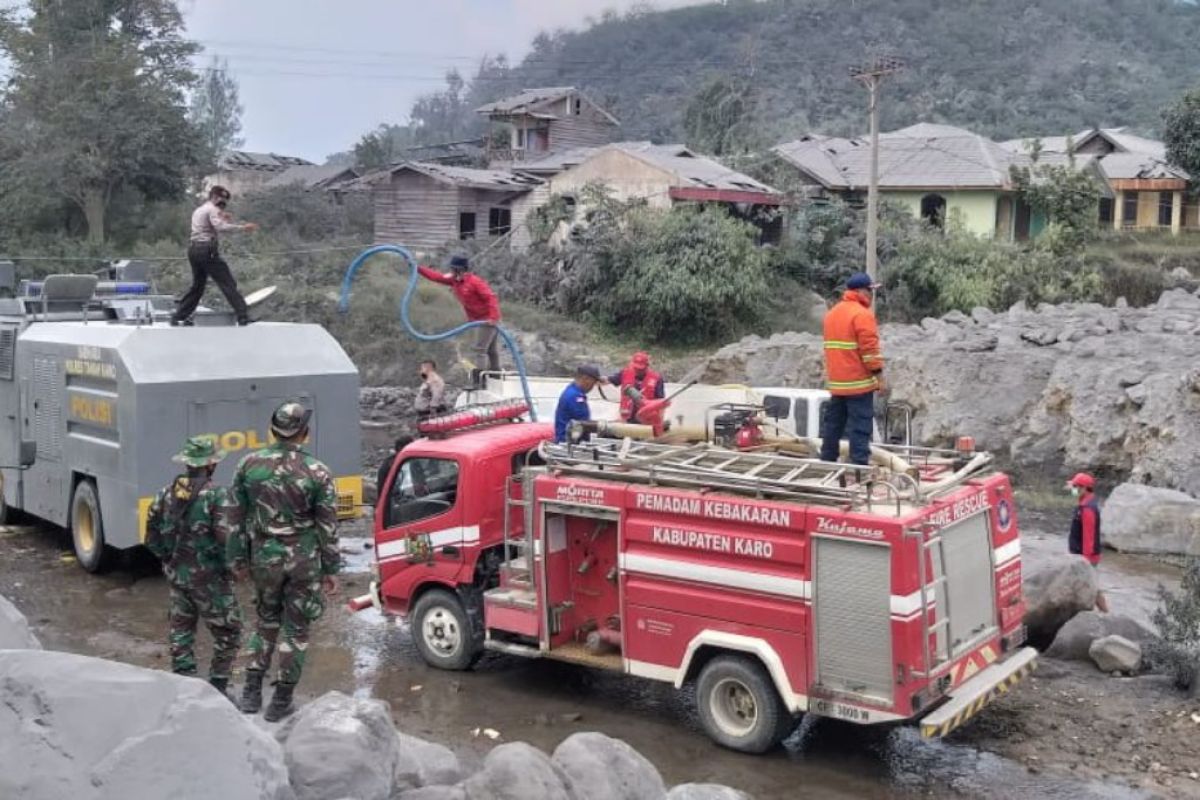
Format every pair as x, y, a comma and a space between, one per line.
871, 75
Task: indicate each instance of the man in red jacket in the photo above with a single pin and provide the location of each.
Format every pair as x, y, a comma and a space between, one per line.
1084, 539
480, 304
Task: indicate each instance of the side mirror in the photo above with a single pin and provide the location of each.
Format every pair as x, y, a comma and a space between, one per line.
28, 453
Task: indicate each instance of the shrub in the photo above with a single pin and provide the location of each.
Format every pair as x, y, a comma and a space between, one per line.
1177, 649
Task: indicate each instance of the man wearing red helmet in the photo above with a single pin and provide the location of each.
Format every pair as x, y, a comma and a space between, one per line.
638, 384
1085, 526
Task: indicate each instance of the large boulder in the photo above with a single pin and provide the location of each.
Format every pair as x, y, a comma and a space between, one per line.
1144, 519
1075, 638
341, 746
603, 768
14, 629
705, 791
1062, 387
85, 728
1057, 587
519, 771
423, 763
1116, 654
435, 793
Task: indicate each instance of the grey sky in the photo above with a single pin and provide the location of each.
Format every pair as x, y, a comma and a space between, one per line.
315, 75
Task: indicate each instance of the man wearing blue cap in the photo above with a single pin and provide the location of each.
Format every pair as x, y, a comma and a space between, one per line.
479, 304
573, 402
854, 370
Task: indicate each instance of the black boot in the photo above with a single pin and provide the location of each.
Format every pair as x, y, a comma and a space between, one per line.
281, 702
222, 686
252, 692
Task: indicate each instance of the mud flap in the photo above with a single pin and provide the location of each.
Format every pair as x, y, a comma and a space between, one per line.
970, 698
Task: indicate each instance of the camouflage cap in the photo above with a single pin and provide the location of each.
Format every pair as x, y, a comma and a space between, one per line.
199, 451
289, 419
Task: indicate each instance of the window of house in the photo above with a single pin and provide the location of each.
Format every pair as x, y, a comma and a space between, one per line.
520, 138
578, 106
933, 210
499, 221
1106, 210
1165, 201
466, 225
424, 487
1129, 206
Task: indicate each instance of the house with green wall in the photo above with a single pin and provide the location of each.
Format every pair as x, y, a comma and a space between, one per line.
939, 172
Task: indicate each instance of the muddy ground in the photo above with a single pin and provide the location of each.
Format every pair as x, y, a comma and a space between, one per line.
1069, 733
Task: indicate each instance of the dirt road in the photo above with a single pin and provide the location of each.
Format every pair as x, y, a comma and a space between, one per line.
122, 616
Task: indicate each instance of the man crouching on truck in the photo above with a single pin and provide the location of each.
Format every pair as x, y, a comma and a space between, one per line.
287, 533
187, 529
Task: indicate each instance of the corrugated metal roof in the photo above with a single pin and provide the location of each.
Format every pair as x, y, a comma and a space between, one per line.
267, 162
532, 102
1133, 157
694, 170
465, 177
920, 156
312, 176
1133, 166
556, 162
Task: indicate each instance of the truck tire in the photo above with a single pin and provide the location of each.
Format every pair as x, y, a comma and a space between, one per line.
442, 631
739, 707
4, 512
87, 528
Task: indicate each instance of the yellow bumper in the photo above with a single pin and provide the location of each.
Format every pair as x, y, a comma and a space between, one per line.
970, 698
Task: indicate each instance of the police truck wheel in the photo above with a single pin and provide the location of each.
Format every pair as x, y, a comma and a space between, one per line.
739, 707
442, 631
87, 528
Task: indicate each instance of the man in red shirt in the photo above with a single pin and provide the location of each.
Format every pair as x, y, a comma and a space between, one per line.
480, 304
1084, 539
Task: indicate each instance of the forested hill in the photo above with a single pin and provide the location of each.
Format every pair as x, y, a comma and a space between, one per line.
1005, 68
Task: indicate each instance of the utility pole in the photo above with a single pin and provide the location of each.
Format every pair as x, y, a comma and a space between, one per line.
871, 75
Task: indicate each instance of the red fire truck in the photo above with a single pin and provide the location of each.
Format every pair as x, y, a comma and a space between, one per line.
778, 585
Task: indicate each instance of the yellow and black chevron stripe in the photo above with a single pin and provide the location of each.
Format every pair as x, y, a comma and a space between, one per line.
973, 708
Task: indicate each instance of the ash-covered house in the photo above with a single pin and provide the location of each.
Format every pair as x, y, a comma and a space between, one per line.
422, 206
537, 122
241, 171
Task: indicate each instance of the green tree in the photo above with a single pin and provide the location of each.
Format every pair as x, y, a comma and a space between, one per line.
96, 102
1181, 133
216, 112
382, 146
1066, 194
1177, 649
719, 118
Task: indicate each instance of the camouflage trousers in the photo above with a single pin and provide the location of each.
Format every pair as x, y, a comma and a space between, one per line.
288, 598
217, 605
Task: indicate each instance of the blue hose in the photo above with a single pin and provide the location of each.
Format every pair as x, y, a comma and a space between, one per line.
414, 277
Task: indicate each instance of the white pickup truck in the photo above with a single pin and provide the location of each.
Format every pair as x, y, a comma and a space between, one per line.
794, 410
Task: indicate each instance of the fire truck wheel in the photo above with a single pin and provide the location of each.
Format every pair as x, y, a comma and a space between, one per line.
739, 707
442, 631
87, 528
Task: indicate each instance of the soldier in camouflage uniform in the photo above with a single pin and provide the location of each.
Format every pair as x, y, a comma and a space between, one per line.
287, 534
187, 530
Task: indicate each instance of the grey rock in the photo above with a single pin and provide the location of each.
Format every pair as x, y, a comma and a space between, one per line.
1116, 654
705, 791
88, 729
1137, 394
1042, 337
14, 629
956, 318
1145, 519
518, 771
1057, 587
982, 315
435, 793
342, 746
422, 763
1076, 636
603, 768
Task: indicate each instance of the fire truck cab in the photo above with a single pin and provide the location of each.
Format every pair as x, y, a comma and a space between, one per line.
777, 585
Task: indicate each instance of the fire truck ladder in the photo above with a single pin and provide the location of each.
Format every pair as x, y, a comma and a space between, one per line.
704, 466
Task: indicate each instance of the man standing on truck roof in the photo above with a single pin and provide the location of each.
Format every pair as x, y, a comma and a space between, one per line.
208, 221
287, 534
431, 396
480, 304
854, 370
187, 528
1084, 539
638, 384
573, 402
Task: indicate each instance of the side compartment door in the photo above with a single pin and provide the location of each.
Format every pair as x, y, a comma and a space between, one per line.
423, 517
852, 617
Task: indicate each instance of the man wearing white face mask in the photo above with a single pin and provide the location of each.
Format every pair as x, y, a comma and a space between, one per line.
1085, 526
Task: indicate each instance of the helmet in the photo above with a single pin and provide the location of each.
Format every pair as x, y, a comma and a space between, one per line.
1083, 481
640, 360
289, 419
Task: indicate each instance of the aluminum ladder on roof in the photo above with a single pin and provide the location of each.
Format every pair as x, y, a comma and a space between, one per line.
705, 466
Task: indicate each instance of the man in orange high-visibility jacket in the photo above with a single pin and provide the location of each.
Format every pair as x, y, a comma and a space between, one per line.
854, 370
